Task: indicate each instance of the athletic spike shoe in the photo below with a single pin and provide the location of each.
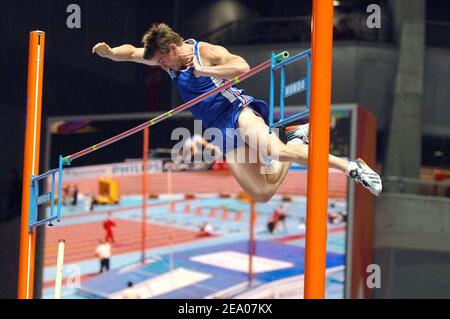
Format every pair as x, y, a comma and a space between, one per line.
361, 173
298, 134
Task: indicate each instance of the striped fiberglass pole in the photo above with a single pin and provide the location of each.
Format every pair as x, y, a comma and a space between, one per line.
279, 57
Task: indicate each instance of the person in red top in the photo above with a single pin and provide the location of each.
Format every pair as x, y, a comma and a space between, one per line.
108, 226
279, 215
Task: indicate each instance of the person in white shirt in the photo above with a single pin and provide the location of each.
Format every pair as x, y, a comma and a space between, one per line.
206, 229
103, 252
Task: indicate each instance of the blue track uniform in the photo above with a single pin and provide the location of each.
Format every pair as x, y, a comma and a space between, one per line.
220, 110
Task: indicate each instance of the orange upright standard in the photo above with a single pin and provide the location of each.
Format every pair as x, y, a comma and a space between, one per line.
31, 160
319, 141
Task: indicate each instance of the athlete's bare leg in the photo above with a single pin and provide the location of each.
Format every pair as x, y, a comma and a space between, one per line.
249, 174
255, 128
257, 179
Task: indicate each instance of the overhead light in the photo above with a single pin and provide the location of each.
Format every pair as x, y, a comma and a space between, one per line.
438, 153
336, 3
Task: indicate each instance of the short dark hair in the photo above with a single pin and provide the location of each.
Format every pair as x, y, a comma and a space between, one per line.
159, 38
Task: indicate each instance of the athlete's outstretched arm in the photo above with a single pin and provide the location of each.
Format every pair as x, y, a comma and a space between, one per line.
219, 62
126, 52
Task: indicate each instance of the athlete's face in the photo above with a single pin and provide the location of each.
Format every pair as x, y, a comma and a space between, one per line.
170, 60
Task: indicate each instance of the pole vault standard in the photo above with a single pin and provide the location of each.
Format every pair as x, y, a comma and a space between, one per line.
31, 161
319, 141
279, 57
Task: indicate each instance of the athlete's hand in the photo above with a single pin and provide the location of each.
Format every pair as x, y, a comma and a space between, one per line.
103, 50
198, 70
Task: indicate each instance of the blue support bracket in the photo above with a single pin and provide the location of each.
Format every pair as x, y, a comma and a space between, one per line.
301, 85
37, 199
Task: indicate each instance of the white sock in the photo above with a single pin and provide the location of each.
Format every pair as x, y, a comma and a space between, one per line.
295, 141
351, 165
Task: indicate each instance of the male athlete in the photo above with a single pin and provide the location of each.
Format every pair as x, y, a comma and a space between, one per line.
198, 67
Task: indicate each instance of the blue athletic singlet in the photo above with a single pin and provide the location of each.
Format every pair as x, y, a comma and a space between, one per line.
220, 110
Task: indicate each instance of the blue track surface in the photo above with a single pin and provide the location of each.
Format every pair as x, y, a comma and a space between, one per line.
233, 236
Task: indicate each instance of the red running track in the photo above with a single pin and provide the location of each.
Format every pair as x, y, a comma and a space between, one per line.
82, 239
289, 238
210, 182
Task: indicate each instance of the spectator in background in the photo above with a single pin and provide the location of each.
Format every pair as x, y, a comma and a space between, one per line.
75, 195
271, 226
206, 230
279, 216
336, 217
89, 202
108, 226
65, 194
302, 224
103, 252
130, 292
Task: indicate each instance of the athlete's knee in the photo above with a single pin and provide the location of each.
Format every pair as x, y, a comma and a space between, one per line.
272, 150
263, 198
277, 151
263, 195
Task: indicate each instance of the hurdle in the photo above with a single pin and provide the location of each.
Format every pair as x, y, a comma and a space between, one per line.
212, 212
198, 211
225, 214
238, 216
170, 201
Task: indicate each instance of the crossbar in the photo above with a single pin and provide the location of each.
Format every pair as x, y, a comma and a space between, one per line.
278, 58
